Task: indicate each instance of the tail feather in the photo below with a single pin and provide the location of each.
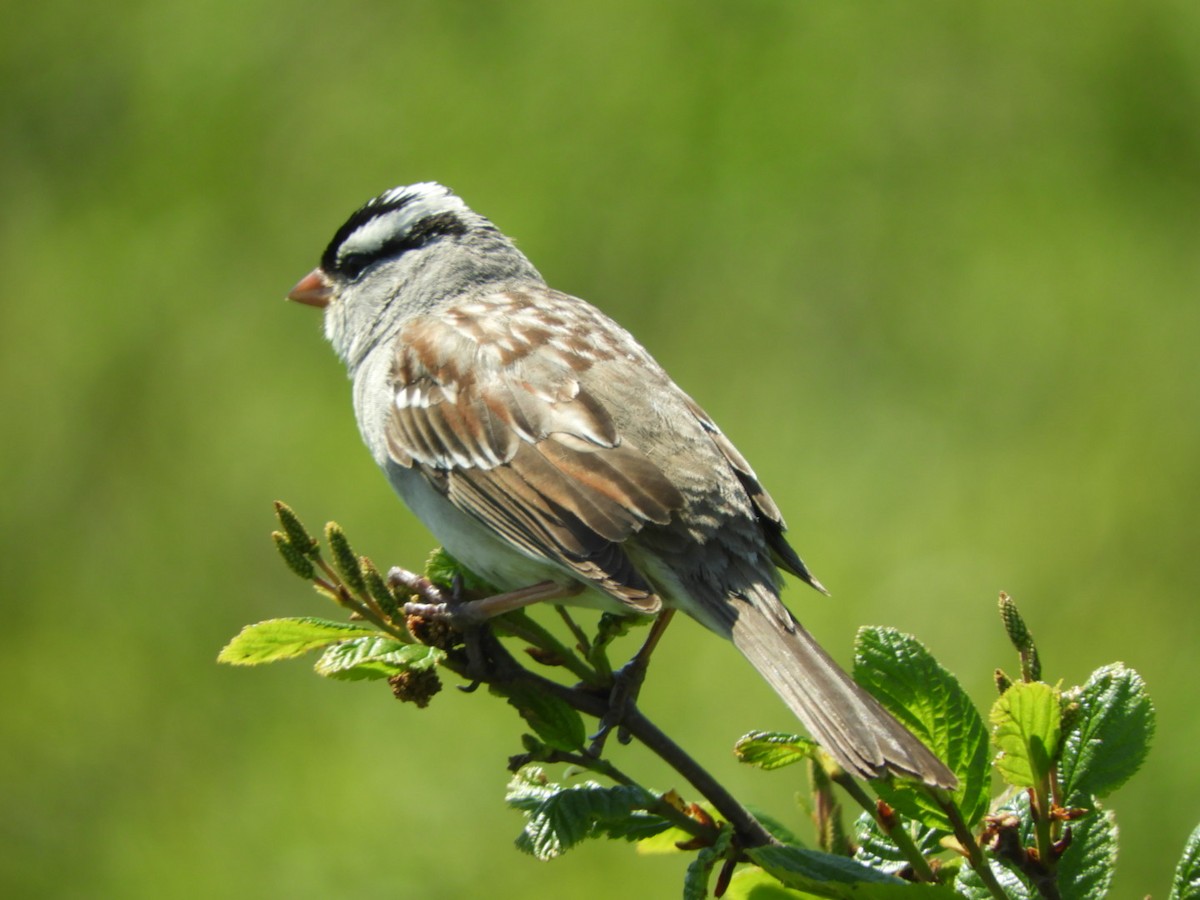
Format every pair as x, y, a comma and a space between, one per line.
848, 722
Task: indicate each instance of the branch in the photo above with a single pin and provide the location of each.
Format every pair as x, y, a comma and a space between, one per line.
505, 668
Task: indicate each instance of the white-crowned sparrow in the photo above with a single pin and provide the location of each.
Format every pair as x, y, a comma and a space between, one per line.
539, 442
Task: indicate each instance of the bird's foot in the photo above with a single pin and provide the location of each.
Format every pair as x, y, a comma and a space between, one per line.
627, 685
622, 699
422, 587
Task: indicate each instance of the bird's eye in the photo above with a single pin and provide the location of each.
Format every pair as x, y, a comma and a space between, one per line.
352, 265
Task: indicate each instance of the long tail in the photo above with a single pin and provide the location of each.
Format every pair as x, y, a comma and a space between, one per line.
847, 721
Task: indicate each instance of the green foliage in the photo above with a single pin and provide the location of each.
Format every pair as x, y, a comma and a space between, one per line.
970, 884
836, 877
277, 639
1018, 633
918, 691
1086, 868
375, 657
294, 532
773, 749
755, 884
879, 849
1109, 734
1186, 884
553, 720
699, 870
1060, 750
442, 569
558, 817
1026, 729
344, 560
296, 559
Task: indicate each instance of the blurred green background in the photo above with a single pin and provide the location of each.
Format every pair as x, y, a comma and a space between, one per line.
933, 266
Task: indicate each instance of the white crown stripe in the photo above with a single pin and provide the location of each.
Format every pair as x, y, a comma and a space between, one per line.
427, 199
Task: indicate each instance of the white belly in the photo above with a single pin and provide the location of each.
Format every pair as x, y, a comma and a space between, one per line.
481, 551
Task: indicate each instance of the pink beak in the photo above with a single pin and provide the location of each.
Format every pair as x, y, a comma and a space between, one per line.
314, 289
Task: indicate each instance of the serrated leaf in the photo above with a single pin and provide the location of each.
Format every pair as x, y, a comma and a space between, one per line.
837, 877
556, 723
752, 883
277, 639
1026, 721
914, 687
375, 657
877, 850
558, 818
1085, 870
1186, 884
968, 884
770, 750
1109, 736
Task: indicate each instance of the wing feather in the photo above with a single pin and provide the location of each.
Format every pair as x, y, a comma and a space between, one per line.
513, 439
770, 519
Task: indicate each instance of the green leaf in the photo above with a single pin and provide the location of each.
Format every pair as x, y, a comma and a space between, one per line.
1085, 870
555, 722
752, 883
1026, 719
666, 841
971, 886
773, 749
837, 877
929, 701
1186, 884
277, 639
1108, 736
375, 657
877, 850
663, 843
441, 568
1016, 885
558, 818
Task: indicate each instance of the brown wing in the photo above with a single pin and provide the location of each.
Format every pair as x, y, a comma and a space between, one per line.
512, 438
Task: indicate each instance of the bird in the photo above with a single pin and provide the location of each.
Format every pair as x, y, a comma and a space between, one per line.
548, 451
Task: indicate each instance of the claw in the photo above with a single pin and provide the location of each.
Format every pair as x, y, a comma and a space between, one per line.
627, 684
416, 584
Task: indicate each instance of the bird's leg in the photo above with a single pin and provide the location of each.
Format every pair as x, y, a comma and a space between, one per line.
467, 614
627, 684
